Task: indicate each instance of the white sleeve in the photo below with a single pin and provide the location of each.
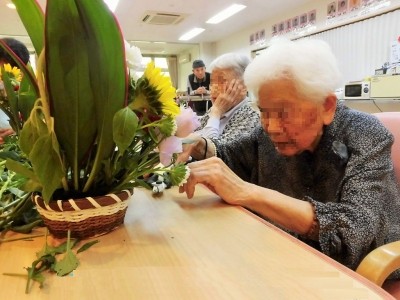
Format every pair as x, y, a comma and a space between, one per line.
211, 130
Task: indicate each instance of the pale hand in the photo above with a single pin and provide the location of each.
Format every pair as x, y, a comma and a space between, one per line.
216, 175
234, 93
201, 90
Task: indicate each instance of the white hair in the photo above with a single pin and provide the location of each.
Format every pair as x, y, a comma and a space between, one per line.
308, 63
231, 61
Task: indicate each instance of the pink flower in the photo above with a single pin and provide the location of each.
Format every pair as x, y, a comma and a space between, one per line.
168, 147
186, 122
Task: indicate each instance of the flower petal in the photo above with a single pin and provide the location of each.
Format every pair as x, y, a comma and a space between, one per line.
187, 121
167, 148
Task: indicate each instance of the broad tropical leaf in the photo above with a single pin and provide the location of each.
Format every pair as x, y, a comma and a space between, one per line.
108, 73
69, 82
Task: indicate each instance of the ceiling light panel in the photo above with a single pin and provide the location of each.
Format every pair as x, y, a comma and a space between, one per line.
226, 13
191, 34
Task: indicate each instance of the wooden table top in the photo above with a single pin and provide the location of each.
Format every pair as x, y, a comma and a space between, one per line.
171, 247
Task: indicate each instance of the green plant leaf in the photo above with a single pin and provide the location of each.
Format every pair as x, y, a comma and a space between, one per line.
66, 265
21, 169
69, 262
32, 17
33, 128
27, 94
69, 82
87, 246
125, 123
62, 248
27, 228
48, 168
108, 73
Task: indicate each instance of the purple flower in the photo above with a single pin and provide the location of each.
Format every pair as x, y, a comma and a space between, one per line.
186, 122
168, 147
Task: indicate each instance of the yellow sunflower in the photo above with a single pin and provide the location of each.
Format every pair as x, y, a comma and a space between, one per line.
14, 71
155, 92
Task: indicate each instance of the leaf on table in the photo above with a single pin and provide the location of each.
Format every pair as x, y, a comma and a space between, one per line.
52, 250
65, 266
38, 277
87, 246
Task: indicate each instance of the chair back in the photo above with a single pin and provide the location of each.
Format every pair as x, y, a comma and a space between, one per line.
391, 120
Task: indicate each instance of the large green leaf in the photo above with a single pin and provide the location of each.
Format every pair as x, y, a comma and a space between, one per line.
32, 17
108, 73
68, 81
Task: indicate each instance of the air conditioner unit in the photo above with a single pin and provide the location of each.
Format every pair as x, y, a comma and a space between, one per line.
159, 18
184, 58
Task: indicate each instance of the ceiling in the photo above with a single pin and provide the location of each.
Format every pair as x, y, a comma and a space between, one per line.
130, 14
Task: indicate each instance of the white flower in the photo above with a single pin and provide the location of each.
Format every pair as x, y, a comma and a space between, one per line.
134, 57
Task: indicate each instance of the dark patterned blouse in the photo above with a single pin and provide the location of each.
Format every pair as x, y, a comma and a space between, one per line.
349, 179
242, 121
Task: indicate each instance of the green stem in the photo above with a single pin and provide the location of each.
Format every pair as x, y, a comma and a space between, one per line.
15, 275
21, 238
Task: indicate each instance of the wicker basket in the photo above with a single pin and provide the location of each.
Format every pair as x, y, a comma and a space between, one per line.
86, 217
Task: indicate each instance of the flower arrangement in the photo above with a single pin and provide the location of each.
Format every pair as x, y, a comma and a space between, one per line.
86, 126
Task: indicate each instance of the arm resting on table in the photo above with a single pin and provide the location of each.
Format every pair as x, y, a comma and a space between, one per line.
380, 263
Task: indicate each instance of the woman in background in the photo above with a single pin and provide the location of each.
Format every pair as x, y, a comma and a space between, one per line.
231, 114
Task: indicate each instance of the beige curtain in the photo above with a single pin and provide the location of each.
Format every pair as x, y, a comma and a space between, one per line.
172, 62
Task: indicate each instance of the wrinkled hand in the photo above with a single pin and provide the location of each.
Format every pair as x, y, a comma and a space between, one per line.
187, 148
216, 175
234, 93
5, 132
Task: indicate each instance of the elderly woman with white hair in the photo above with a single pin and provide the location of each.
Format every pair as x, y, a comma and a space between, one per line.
317, 169
231, 114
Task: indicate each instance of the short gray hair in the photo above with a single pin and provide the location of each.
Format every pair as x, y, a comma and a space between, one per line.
232, 61
309, 63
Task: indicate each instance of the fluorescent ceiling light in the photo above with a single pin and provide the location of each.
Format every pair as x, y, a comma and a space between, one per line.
11, 5
191, 34
226, 13
112, 4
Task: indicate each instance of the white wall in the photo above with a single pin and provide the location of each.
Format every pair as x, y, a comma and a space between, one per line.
184, 69
360, 48
239, 41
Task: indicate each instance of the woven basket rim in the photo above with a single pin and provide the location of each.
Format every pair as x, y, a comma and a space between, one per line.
82, 203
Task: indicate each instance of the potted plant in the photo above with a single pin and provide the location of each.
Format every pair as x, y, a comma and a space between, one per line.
92, 130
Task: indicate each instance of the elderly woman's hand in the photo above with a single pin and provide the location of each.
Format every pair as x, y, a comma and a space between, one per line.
214, 174
234, 93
